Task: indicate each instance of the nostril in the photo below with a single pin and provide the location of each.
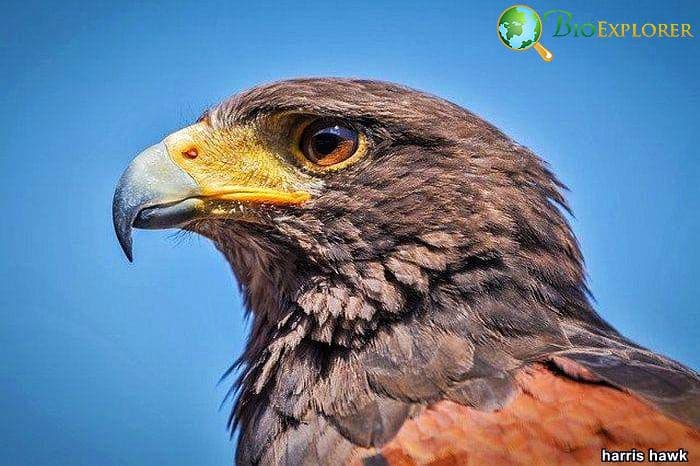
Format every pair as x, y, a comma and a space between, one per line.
190, 153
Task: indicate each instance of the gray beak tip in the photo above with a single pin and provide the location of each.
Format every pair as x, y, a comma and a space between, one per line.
126, 247
152, 178
122, 228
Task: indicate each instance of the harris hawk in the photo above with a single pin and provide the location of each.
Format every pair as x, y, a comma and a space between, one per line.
417, 295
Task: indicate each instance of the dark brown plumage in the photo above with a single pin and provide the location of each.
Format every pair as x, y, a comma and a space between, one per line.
436, 271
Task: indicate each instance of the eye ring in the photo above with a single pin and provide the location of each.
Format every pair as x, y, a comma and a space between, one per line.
329, 144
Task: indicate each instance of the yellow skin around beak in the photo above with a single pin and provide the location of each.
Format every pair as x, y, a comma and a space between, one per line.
201, 172
235, 165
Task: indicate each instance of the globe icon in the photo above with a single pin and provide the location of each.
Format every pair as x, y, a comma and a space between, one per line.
519, 28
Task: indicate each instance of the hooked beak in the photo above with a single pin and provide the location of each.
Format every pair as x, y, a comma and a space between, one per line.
199, 172
153, 193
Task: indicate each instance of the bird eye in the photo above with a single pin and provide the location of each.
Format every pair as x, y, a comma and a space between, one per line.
327, 143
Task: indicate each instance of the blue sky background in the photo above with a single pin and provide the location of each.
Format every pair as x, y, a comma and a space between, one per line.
108, 363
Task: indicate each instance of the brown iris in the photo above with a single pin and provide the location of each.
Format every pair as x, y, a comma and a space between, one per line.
328, 143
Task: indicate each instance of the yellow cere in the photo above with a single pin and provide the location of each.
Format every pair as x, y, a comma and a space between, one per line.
236, 165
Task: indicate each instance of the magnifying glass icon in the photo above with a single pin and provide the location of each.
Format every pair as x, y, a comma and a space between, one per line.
520, 28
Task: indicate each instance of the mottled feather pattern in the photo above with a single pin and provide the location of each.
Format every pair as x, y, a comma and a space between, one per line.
428, 305
551, 420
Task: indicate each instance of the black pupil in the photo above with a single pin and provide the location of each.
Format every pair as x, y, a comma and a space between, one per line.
327, 140
326, 143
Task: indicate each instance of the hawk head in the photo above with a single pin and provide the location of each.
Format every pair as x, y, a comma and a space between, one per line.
387, 242
352, 199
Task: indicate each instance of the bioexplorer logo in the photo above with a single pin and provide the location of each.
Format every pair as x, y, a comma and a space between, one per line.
520, 28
